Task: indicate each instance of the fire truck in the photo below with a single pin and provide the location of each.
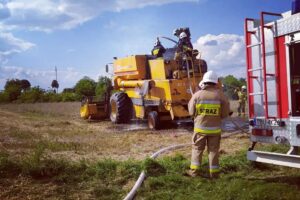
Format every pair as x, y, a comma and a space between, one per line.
273, 74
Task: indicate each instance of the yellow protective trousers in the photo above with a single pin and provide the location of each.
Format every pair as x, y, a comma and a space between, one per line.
200, 141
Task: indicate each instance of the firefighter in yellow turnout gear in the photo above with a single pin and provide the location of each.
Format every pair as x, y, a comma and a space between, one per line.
158, 49
242, 101
208, 106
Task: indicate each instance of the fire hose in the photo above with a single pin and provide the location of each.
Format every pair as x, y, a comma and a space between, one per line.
142, 176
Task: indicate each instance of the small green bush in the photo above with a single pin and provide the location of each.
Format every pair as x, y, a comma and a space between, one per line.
51, 97
4, 98
70, 96
32, 95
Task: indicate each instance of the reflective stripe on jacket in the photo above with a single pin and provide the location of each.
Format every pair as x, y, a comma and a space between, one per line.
208, 107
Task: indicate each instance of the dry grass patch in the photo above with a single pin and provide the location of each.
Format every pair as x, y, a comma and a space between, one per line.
58, 127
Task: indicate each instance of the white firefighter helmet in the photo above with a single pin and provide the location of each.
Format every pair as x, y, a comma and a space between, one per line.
244, 87
209, 77
182, 35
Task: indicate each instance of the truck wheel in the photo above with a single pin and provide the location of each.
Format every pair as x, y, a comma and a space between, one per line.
120, 108
153, 120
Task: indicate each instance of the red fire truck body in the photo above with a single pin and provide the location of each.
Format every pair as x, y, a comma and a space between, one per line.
273, 76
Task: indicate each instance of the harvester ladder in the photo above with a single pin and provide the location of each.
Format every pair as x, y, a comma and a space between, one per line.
263, 64
191, 71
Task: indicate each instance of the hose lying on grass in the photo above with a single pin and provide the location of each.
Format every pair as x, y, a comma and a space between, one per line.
142, 176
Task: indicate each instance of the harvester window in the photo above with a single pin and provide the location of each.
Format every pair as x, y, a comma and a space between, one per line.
169, 54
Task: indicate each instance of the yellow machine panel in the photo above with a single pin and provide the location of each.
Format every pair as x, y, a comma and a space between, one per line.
179, 111
139, 111
93, 111
84, 112
131, 67
161, 90
162, 70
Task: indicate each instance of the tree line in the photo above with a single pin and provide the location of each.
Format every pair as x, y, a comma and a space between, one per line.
21, 91
230, 84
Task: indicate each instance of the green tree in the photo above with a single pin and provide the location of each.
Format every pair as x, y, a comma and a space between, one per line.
231, 84
68, 90
102, 85
13, 89
25, 84
85, 87
55, 85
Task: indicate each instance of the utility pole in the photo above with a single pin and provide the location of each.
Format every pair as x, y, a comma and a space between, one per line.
55, 73
56, 78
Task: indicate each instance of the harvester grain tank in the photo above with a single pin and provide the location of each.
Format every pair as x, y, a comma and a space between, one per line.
273, 71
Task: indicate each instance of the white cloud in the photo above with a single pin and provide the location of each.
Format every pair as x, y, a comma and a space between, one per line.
130, 4
224, 53
67, 77
10, 45
48, 15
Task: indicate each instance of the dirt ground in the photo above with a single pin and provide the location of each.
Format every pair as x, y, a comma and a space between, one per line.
58, 127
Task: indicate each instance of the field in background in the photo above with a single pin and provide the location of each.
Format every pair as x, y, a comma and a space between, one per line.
48, 152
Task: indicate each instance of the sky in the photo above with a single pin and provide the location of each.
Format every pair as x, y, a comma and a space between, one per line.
80, 37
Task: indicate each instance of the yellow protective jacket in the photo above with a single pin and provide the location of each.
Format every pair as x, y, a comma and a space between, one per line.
242, 97
208, 107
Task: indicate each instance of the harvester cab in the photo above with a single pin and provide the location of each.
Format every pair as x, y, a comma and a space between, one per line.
155, 88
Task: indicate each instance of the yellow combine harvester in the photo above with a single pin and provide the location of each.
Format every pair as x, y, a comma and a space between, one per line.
157, 89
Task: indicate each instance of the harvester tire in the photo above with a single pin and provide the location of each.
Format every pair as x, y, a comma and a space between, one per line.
120, 108
153, 120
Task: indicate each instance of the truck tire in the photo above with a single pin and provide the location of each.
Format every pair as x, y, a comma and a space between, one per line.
120, 108
153, 120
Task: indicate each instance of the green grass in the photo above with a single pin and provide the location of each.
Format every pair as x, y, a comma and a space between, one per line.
56, 146
276, 148
110, 179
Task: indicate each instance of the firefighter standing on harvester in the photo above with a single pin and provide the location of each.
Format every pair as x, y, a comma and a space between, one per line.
158, 49
208, 106
184, 44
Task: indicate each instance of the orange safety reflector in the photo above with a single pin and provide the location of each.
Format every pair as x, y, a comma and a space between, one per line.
262, 132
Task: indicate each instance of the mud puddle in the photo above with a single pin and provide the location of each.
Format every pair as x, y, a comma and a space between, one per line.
227, 125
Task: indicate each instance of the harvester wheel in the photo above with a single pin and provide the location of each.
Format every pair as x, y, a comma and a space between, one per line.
153, 120
120, 108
